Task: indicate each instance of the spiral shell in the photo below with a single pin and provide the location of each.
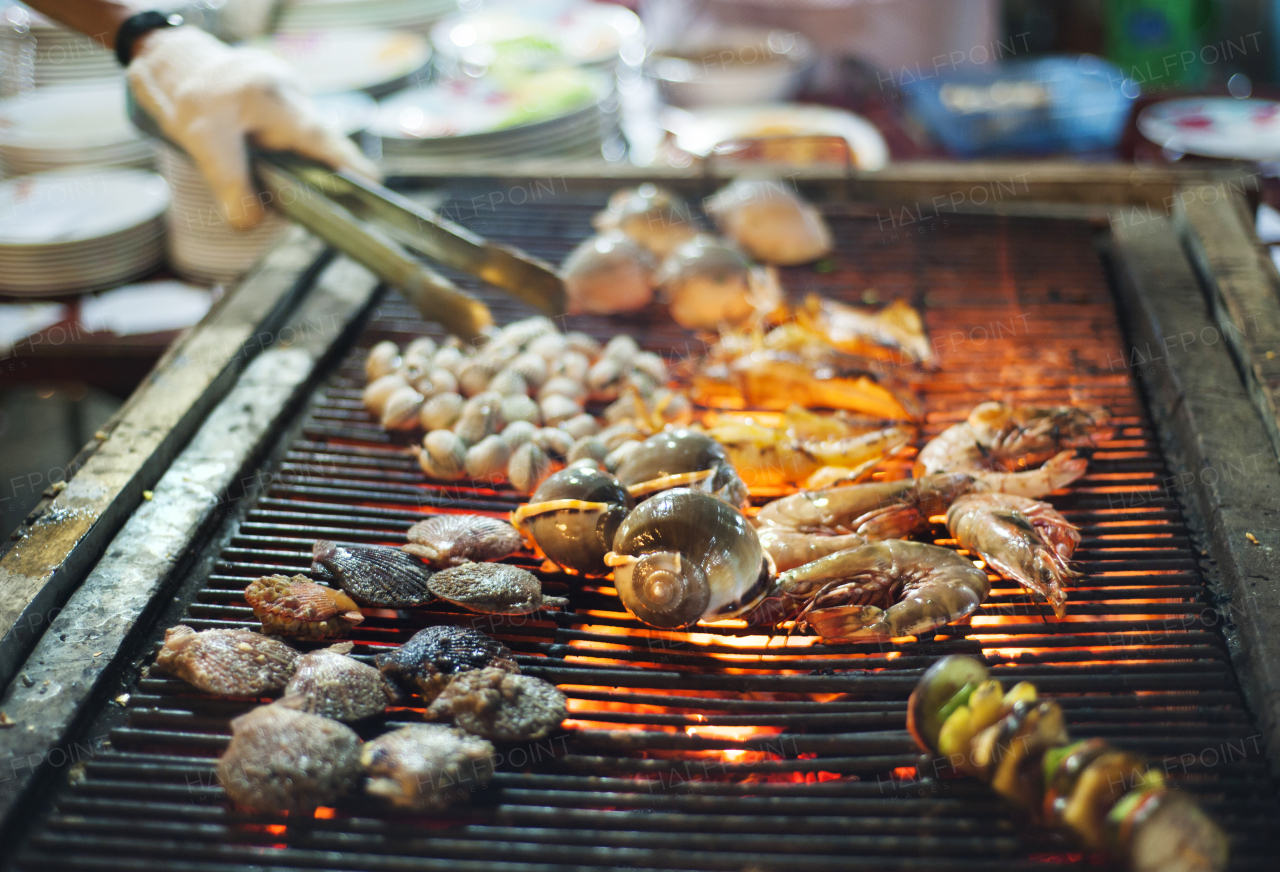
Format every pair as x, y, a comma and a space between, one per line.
508, 382
667, 458
518, 433
452, 540
529, 466
520, 409
401, 409
562, 386
557, 408
443, 455
573, 517
377, 393
486, 460
572, 365
441, 411
383, 359
554, 441
531, 367
575, 340
481, 416
580, 425
298, 606
589, 447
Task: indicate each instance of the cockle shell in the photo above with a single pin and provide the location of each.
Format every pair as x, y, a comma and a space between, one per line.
572, 365
423, 346
487, 459
481, 416
623, 431
588, 447
401, 409
331, 684
531, 367
493, 589
580, 342
527, 329
563, 385
376, 576
606, 375
508, 382
227, 662
383, 359
529, 466
281, 759
441, 411
581, 425
427, 662
652, 365
452, 540
378, 392
548, 346
426, 767
614, 460
501, 706
413, 368
517, 433
621, 348
444, 381
474, 376
557, 408
449, 357
443, 455
298, 606
520, 408
553, 441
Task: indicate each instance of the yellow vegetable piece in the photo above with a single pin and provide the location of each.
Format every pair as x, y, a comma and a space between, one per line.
953, 738
985, 704
1023, 691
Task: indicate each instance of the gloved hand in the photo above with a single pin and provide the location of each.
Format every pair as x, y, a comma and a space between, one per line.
208, 97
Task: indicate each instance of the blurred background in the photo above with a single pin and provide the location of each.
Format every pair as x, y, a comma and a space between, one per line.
111, 245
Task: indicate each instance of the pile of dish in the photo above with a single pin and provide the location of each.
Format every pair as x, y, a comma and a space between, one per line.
80, 230
38, 53
68, 126
416, 15
336, 61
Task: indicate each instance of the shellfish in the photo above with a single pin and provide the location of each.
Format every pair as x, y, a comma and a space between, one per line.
494, 589
443, 455
573, 517
429, 660
227, 662
331, 684
299, 607
770, 222
426, 767
382, 577
497, 705
685, 556
452, 540
652, 216
680, 458
441, 411
708, 283
608, 273
529, 467
383, 359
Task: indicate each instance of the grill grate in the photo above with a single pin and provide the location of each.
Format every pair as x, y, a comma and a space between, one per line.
714, 749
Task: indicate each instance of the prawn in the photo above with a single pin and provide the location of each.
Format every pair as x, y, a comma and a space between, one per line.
1001, 438
1022, 539
771, 456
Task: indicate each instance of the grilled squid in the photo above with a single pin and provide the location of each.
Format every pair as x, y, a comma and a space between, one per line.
684, 556
573, 517
682, 458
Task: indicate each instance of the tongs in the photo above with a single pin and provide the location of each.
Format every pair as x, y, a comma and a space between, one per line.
373, 225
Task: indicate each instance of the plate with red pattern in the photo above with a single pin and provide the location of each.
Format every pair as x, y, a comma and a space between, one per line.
1215, 127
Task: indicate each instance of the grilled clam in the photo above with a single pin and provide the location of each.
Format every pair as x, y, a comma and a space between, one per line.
529, 467
770, 222
652, 216
451, 540
281, 759
708, 283
498, 705
682, 458
573, 517
685, 556
427, 662
608, 273
227, 662
382, 577
298, 606
426, 767
331, 684
493, 588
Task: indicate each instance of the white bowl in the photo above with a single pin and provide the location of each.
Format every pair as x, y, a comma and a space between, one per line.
739, 66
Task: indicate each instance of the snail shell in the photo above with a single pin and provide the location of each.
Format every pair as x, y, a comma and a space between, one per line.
487, 459
443, 455
481, 416
573, 517
580, 425
563, 385
528, 467
383, 359
557, 408
685, 556
441, 411
554, 441
401, 409
517, 433
376, 394
508, 382
520, 408
531, 367
676, 457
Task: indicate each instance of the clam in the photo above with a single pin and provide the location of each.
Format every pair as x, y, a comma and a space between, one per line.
530, 367
654, 217
529, 467
401, 409
709, 283
554, 441
453, 540
583, 344
331, 684
573, 517
383, 577
298, 606
498, 705
581, 425
557, 408
589, 447
426, 767
548, 346
520, 409
443, 455
423, 346
608, 273
378, 392
441, 411
281, 759
563, 385
227, 662
427, 662
685, 556
493, 589
518, 433
383, 359
487, 459
474, 376
508, 382
574, 366
449, 357
481, 416
620, 455
770, 222
678, 458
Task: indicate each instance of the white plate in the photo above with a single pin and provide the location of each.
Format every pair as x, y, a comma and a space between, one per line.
538, 36
73, 205
333, 61
67, 117
1215, 127
701, 131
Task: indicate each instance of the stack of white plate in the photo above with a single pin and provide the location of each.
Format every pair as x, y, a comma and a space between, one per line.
416, 15
70, 126
37, 53
336, 61
80, 230
202, 246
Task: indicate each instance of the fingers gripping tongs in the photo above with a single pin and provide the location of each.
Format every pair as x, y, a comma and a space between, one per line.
373, 225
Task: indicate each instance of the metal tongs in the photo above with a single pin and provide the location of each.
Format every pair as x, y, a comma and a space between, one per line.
374, 225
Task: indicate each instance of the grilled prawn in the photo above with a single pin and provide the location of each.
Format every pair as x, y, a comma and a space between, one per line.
999, 438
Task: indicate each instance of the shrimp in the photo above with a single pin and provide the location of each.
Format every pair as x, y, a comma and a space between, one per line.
895, 328
1022, 539
884, 590
770, 456
1002, 438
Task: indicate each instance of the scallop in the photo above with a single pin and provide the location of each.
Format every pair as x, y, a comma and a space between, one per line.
529, 467
770, 222
493, 589
517, 433
452, 540
554, 441
608, 273
426, 767
383, 577
441, 411
401, 409
520, 409
531, 367
487, 459
497, 705
509, 383
681, 457
481, 416
557, 408
378, 392
443, 455
563, 386
331, 684
298, 606
685, 556
573, 517
227, 662
383, 359
429, 660
589, 447
282, 759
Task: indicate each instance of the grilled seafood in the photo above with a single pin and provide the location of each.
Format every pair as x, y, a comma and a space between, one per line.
281, 759
1022, 539
897, 327
684, 556
429, 660
451, 540
426, 767
496, 704
382, 577
608, 273
708, 283
227, 662
884, 590
682, 458
770, 222
331, 684
299, 607
652, 216
573, 517
493, 589
1001, 438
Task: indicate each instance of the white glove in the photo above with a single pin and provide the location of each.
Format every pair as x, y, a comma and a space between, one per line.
208, 97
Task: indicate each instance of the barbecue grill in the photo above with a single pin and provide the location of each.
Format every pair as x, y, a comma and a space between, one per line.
717, 748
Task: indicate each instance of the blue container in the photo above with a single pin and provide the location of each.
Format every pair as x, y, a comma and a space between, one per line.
1042, 106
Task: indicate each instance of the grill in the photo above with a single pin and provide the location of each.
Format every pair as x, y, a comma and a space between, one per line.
720, 748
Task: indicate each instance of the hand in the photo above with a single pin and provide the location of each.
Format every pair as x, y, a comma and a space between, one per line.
208, 97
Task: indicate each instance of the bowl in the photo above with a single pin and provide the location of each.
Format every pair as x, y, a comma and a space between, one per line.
735, 67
